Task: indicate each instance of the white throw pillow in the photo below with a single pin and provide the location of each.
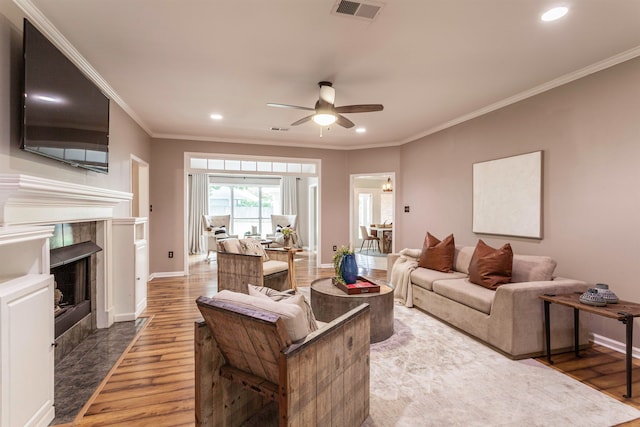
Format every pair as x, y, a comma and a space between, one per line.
232, 246
292, 315
254, 247
289, 297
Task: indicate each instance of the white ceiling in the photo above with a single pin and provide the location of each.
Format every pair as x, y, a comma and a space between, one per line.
431, 63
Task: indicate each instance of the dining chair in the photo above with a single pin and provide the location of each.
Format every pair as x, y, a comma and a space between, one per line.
366, 237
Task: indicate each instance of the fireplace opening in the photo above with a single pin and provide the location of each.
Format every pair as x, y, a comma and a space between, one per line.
71, 269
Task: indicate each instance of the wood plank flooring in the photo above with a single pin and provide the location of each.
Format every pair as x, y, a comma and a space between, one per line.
153, 384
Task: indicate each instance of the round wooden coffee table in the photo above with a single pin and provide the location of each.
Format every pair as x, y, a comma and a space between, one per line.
329, 302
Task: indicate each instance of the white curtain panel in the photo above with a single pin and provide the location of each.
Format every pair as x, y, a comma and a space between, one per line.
289, 195
198, 206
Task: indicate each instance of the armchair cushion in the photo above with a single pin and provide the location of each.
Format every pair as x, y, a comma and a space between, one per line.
291, 314
273, 266
289, 297
232, 246
253, 247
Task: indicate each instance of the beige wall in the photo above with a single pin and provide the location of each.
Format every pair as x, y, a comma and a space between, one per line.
590, 133
167, 195
126, 137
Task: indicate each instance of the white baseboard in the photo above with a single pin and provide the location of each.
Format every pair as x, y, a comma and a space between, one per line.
125, 317
166, 274
618, 346
142, 305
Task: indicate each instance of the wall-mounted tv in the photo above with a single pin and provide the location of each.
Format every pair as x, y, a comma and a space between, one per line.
65, 115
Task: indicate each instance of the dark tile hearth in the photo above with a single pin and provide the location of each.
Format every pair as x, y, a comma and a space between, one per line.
78, 375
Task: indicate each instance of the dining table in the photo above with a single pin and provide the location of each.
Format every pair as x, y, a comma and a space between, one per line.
385, 233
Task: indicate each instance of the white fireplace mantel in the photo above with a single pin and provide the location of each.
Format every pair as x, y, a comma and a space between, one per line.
33, 200
29, 208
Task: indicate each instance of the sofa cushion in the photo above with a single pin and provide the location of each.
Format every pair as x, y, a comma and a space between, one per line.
425, 277
289, 297
436, 254
273, 266
466, 293
490, 267
292, 315
462, 258
532, 268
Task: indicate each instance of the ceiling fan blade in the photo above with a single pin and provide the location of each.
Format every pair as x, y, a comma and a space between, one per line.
344, 122
362, 108
297, 107
302, 120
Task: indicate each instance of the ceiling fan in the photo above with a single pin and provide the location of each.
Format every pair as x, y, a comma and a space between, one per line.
326, 113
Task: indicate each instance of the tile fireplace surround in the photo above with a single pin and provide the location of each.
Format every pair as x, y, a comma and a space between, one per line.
29, 207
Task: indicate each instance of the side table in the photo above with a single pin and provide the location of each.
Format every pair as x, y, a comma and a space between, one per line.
329, 302
624, 312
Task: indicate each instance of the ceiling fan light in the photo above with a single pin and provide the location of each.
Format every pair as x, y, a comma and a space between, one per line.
324, 119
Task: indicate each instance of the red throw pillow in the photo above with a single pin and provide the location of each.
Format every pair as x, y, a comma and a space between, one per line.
437, 255
491, 267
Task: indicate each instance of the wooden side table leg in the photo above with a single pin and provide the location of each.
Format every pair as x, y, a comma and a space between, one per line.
292, 268
628, 320
547, 328
576, 331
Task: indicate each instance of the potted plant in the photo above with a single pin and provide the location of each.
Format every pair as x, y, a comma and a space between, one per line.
344, 264
287, 234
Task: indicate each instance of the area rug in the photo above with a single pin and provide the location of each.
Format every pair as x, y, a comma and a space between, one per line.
429, 374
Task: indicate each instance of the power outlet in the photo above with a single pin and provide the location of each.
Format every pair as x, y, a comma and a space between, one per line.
335, 248
170, 254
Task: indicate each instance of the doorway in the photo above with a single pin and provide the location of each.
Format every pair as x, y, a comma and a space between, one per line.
139, 187
247, 168
372, 207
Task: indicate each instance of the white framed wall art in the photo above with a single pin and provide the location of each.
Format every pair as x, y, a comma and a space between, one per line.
507, 196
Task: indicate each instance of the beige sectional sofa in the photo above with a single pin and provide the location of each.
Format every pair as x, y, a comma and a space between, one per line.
509, 319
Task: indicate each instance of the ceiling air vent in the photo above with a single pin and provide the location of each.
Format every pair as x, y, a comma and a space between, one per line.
279, 129
368, 10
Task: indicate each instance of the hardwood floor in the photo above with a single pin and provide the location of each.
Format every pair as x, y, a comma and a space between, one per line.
153, 384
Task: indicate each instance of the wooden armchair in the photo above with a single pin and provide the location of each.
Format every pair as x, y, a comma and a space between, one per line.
248, 370
212, 226
290, 221
236, 271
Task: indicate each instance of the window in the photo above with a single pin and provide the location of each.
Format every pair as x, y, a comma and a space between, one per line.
386, 208
365, 205
250, 205
242, 164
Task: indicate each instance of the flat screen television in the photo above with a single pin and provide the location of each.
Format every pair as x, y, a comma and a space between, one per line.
65, 115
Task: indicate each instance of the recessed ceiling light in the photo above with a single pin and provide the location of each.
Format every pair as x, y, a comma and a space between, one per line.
361, 130
555, 13
216, 116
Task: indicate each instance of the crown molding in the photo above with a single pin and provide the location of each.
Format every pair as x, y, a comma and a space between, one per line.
562, 80
44, 25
